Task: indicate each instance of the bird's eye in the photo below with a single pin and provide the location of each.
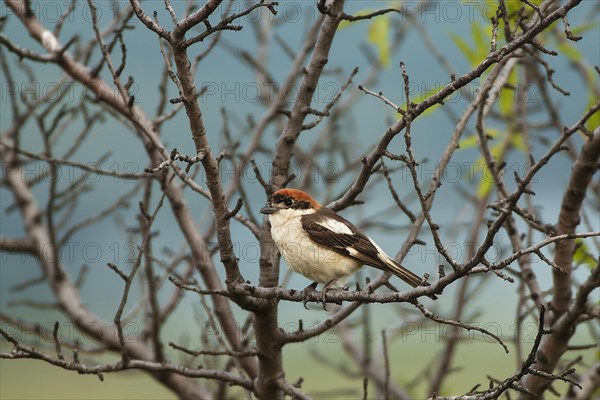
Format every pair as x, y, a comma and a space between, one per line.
288, 202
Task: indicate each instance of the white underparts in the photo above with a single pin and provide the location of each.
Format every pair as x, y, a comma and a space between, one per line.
304, 256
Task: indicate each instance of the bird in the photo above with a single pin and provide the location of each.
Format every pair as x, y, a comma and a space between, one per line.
321, 245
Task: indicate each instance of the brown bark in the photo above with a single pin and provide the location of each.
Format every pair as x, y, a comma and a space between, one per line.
562, 317
157, 153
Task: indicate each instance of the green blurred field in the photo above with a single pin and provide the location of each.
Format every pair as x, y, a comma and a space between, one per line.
29, 379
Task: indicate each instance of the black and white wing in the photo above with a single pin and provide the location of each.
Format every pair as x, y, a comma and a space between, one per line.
332, 231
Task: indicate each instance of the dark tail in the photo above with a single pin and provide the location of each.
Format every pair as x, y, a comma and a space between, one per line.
409, 277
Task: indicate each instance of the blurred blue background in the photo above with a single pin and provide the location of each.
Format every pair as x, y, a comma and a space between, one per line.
230, 84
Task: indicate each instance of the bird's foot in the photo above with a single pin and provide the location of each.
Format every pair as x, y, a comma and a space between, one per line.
304, 294
324, 292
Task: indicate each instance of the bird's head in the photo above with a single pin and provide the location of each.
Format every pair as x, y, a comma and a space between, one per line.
285, 199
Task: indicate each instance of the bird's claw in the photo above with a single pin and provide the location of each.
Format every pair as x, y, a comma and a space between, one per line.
306, 291
324, 292
323, 298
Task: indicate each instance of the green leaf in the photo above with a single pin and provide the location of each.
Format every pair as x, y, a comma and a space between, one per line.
583, 255
513, 6
473, 140
481, 48
578, 30
493, 133
570, 51
485, 185
487, 178
464, 48
478, 33
506, 102
378, 35
594, 121
469, 142
516, 139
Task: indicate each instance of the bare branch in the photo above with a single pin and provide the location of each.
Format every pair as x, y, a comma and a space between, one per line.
353, 18
440, 320
24, 352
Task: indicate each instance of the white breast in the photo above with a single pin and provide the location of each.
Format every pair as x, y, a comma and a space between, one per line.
304, 256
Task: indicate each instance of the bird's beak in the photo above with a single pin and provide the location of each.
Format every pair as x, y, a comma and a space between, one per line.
267, 210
